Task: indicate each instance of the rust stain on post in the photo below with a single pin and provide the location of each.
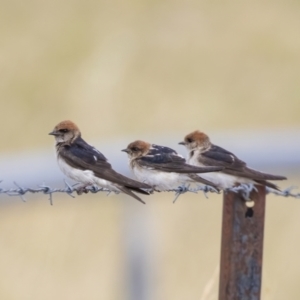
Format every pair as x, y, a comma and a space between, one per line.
242, 247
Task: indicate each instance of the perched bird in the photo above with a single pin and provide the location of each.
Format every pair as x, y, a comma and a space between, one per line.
203, 153
162, 167
85, 164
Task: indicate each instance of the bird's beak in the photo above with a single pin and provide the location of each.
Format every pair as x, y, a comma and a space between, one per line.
55, 133
181, 143
125, 150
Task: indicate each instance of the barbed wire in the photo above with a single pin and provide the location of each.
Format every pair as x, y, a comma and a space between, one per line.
244, 189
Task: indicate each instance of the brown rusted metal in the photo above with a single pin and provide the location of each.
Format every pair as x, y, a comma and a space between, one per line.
242, 246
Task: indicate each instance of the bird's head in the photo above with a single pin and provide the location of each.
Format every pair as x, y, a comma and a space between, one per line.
137, 149
196, 140
65, 132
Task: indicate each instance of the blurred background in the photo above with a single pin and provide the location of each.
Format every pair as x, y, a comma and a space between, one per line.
152, 70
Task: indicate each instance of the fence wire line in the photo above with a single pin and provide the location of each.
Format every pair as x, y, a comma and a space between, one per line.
68, 189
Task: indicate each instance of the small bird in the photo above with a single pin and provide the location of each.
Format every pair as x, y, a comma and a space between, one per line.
85, 164
203, 153
162, 167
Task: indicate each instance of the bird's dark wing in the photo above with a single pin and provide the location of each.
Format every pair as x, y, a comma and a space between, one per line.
81, 155
80, 149
217, 156
168, 160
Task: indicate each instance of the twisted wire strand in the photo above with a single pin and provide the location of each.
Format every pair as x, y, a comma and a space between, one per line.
68, 189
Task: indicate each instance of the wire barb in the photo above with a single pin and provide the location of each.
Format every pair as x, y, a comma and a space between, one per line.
181, 190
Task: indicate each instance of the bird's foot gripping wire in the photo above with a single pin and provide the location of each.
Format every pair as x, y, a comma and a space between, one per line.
83, 189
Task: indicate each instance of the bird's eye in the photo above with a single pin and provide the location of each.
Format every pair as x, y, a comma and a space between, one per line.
135, 149
189, 140
63, 130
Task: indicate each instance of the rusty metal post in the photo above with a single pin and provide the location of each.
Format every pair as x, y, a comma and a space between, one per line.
242, 246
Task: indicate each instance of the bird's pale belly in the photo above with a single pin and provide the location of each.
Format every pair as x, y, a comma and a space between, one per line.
225, 181
222, 180
161, 180
84, 176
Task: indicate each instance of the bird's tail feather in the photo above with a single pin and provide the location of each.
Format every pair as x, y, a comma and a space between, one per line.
268, 184
197, 178
127, 191
256, 175
138, 190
